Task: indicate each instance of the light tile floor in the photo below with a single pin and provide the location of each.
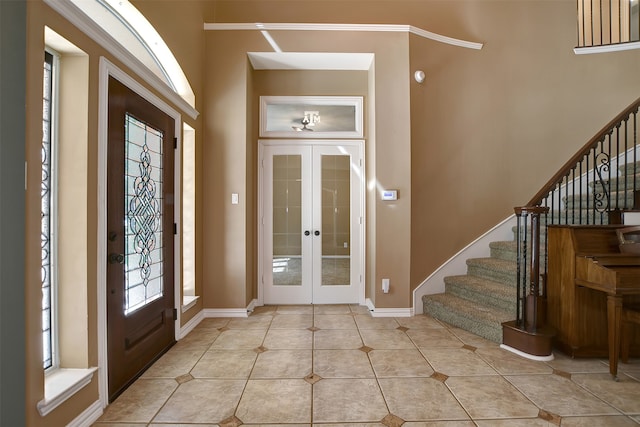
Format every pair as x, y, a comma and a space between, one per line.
337, 365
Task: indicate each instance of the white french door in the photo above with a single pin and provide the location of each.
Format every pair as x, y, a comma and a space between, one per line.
311, 222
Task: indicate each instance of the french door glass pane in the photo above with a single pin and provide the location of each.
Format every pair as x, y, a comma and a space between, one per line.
143, 211
336, 219
287, 220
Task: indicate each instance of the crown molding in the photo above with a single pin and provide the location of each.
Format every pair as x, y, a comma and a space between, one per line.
85, 24
343, 27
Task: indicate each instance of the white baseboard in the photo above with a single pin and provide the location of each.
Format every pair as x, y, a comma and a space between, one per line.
369, 304
225, 312
252, 305
527, 355
88, 416
188, 327
388, 312
216, 312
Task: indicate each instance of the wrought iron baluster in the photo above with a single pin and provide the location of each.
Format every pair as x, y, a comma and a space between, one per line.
635, 153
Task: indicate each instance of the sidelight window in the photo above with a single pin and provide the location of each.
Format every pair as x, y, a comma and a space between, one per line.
48, 213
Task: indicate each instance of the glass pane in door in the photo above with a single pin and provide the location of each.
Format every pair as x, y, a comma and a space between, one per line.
287, 220
143, 208
336, 220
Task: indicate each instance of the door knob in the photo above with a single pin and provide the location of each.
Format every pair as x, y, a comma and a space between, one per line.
317, 232
307, 232
116, 259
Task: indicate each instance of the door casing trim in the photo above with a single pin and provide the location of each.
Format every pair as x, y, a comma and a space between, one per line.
108, 69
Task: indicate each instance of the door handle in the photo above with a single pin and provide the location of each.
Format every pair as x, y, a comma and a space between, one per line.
317, 232
307, 232
116, 259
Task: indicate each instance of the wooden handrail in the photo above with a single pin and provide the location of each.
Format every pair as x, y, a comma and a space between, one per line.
568, 166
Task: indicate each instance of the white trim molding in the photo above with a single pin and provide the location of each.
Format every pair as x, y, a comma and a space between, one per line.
88, 416
618, 47
527, 355
388, 312
78, 18
252, 305
190, 325
188, 301
343, 27
61, 385
225, 312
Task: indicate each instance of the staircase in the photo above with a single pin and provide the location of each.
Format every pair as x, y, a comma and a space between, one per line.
484, 298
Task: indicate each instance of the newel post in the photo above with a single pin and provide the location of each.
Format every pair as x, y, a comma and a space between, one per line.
532, 300
527, 334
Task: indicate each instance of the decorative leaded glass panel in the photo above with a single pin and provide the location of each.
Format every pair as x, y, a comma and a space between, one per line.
143, 211
46, 203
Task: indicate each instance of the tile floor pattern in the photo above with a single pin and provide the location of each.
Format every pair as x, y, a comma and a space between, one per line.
336, 365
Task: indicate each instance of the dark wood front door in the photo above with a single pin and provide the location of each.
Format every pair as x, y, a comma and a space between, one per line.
140, 285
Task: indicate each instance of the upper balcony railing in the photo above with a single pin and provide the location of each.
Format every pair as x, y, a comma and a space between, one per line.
608, 22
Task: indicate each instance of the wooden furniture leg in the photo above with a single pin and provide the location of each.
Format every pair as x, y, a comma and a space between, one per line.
614, 323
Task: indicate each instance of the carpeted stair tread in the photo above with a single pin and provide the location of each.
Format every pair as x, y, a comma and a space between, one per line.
630, 168
480, 320
621, 199
507, 251
483, 291
574, 216
620, 183
499, 270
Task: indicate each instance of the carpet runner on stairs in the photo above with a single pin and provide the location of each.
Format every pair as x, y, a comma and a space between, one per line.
480, 300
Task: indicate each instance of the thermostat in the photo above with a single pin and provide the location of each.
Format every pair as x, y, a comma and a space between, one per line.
389, 194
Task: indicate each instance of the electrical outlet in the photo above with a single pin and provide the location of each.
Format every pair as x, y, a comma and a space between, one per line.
385, 286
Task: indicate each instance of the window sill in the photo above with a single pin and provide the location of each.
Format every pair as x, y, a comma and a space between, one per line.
189, 301
60, 385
